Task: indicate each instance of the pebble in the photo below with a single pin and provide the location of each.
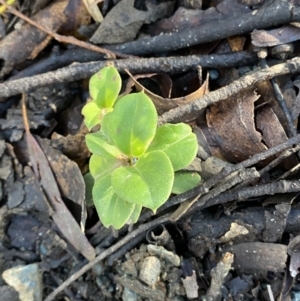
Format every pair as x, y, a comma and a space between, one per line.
26, 280
129, 295
150, 270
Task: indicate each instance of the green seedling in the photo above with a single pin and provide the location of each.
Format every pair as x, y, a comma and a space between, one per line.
134, 163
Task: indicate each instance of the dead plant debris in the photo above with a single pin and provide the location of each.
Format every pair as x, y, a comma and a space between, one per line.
228, 68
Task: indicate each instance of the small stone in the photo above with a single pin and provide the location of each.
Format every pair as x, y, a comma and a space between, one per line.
26, 280
150, 270
128, 295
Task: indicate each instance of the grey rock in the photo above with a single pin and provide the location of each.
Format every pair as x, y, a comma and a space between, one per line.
26, 280
150, 270
129, 295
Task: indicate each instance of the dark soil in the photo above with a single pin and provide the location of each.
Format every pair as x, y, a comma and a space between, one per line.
228, 68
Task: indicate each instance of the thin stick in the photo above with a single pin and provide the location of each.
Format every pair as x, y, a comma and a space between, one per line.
245, 193
64, 39
79, 71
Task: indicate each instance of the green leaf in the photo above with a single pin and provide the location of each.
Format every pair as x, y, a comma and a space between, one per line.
101, 166
89, 183
184, 181
148, 183
131, 126
97, 144
112, 210
134, 217
178, 142
105, 87
91, 113
105, 127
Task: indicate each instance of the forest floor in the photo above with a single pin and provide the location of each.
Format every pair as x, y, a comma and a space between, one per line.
228, 68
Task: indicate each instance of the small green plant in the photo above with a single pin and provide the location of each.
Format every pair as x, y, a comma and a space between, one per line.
134, 162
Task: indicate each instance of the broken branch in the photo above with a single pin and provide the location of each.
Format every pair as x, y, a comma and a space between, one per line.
141, 65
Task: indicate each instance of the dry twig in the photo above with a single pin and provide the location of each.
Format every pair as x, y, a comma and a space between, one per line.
245, 193
218, 275
274, 13
63, 39
79, 55
141, 65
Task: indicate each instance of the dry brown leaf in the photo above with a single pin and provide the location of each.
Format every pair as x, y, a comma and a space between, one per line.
124, 21
214, 148
165, 104
186, 18
61, 215
165, 83
22, 43
273, 132
270, 127
231, 123
73, 146
236, 43
273, 37
268, 96
120, 25
163, 80
69, 178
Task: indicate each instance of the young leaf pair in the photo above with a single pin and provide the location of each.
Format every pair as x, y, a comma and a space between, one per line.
133, 162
